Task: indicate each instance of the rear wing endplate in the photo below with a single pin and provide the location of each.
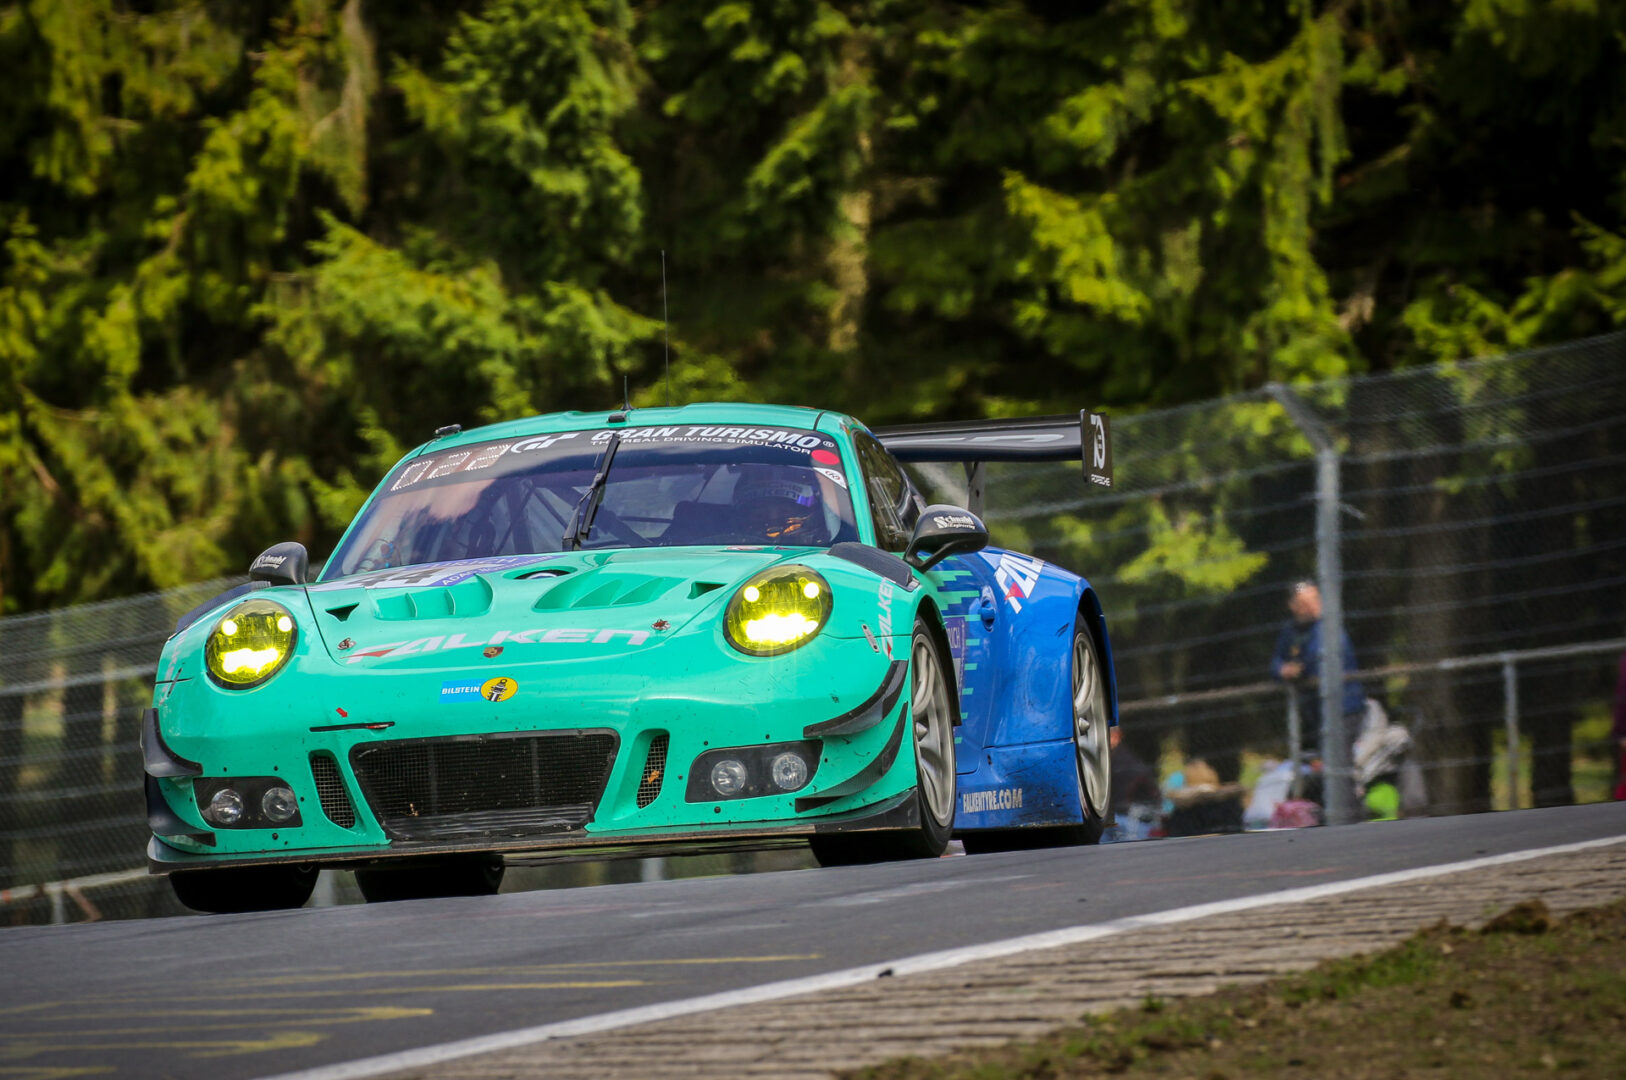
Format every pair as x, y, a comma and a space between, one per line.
1086, 438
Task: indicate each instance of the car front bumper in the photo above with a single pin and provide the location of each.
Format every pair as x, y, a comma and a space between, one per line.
842, 697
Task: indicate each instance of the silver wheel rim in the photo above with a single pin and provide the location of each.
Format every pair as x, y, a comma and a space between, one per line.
1090, 737
934, 733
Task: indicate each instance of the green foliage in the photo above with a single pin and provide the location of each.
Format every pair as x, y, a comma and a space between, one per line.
253, 251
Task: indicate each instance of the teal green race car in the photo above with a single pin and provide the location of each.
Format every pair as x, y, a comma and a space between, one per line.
647, 630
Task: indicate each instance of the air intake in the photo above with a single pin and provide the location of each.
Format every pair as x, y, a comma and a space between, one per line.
485, 787
330, 789
654, 770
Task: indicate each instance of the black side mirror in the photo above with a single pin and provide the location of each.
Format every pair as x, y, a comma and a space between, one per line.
943, 531
281, 564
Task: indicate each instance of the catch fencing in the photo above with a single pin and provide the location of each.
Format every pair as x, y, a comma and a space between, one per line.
1469, 520
1467, 523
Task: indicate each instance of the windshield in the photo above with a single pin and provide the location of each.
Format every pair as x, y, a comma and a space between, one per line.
665, 486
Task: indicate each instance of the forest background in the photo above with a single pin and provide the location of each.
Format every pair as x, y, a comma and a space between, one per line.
254, 250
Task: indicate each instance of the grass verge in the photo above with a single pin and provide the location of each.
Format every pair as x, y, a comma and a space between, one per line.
1525, 994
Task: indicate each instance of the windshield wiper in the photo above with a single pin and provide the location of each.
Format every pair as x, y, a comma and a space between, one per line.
581, 521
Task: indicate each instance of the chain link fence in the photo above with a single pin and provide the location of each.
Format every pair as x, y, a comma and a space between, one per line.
1478, 541
1477, 514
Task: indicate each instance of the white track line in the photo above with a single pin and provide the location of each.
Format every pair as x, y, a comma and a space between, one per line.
914, 965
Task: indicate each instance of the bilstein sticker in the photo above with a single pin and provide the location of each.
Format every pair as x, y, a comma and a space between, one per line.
459, 691
499, 689
979, 802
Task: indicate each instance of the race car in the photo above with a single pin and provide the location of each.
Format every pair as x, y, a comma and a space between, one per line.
647, 630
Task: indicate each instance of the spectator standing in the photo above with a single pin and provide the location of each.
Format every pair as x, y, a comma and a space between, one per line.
1297, 660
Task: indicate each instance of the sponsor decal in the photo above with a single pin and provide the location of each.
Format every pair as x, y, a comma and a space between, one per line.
540, 442
789, 438
955, 625
271, 562
491, 652
954, 521
347, 643
884, 619
1099, 464
831, 475
473, 459
499, 689
980, 802
460, 691
869, 636
1018, 576
559, 635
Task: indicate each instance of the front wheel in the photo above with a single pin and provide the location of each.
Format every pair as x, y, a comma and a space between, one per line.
234, 890
414, 879
931, 713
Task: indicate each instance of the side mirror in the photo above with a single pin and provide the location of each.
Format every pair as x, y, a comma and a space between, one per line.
943, 531
281, 564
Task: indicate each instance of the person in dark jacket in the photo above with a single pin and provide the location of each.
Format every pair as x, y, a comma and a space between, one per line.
1297, 660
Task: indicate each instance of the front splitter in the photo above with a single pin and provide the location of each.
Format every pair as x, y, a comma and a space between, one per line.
901, 811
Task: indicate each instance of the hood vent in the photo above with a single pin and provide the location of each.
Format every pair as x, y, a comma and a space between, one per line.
466, 598
598, 589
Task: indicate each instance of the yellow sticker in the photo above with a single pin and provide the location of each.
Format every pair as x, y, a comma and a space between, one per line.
499, 689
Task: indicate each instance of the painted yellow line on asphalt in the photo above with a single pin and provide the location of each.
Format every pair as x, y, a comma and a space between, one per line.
354, 991
361, 1013
52, 1072
293, 1040
527, 969
161, 1028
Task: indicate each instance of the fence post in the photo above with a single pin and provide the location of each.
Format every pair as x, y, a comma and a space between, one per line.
1295, 741
1510, 720
1339, 777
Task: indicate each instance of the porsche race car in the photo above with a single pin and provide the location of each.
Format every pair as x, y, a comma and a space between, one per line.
652, 629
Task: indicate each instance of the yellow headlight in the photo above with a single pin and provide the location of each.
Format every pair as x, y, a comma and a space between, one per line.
777, 610
250, 644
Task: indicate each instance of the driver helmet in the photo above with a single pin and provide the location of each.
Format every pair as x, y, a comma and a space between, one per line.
778, 507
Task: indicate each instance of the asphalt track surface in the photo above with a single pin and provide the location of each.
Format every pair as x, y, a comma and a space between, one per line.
253, 995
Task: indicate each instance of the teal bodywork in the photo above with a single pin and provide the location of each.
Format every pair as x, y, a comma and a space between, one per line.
628, 641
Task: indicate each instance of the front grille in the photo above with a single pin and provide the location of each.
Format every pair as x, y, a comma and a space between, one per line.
331, 791
505, 786
654, 770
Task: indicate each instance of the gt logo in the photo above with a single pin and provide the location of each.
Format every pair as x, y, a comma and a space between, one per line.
1098, 451
1018, 576
540, 442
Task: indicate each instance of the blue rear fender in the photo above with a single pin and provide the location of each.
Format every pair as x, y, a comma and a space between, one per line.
1021, 772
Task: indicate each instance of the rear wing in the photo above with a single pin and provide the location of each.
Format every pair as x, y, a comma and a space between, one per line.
1086, 438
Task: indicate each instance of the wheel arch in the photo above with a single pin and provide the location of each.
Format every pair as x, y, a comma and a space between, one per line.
934, 626
1089, 608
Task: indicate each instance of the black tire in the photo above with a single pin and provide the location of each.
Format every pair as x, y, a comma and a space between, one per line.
234, 890
427, 879
931, 730
1090, 741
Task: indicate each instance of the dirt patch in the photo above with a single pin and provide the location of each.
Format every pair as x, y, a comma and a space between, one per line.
1526, 993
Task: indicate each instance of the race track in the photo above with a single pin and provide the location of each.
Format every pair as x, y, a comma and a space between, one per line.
256, 995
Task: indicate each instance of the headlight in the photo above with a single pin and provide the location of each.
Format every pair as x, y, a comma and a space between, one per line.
777, 610
250, 644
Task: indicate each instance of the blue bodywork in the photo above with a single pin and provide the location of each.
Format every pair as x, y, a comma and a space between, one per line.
1010, 620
